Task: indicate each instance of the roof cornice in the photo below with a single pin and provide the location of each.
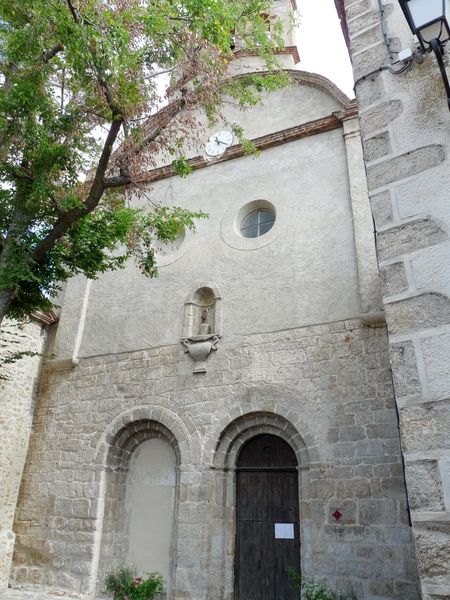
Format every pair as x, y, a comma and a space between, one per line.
298, 132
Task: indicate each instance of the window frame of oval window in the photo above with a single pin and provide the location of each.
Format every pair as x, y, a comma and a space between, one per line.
257, 227
237, 212
163, 260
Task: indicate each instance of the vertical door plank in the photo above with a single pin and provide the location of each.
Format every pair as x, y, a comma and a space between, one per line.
251, 536
283, 553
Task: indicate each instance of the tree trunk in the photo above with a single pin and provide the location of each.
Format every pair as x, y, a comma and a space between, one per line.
5, 300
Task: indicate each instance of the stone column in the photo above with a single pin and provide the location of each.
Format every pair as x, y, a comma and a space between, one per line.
405, 127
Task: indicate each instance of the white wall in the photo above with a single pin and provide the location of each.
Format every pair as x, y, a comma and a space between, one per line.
306, 274
149, 508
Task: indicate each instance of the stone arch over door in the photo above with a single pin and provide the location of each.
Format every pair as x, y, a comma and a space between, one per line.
141, 494
231, 441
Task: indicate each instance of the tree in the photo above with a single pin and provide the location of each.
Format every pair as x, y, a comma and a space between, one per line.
70, 69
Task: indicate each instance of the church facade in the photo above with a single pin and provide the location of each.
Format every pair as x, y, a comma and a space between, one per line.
235, 416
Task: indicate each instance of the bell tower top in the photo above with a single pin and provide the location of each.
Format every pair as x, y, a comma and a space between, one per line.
280, 12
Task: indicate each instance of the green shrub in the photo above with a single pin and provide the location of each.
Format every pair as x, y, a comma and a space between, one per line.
312, 589
124, 584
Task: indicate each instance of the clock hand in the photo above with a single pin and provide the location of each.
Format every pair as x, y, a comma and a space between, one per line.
219, 142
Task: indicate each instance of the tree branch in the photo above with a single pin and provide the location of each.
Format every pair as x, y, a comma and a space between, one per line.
115, 182
91, 202
123, 179
158, 122
72, 10
52, 52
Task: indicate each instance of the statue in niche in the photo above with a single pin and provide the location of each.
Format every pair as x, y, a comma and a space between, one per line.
205, 327
204, 308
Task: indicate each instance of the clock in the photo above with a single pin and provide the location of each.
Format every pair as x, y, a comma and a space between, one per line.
218, 143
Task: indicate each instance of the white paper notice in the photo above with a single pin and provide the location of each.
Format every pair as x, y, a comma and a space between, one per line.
284, 531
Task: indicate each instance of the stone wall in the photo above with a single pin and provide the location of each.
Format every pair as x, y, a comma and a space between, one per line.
406, 134
16, 413
325, 389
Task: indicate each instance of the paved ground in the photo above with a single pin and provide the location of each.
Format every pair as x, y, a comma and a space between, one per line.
30, 594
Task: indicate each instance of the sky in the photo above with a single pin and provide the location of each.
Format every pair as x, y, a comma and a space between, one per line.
321, 43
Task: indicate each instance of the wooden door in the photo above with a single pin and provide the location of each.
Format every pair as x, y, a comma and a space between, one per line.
267, 520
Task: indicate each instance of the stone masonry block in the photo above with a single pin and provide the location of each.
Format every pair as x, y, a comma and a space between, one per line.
433, 550
358, 8
405, 165
362, 22
404, 369
382, 431
409, 237
376, 146
380, 116
351, 434
381, 208
426, 427
365, 39
406, 589
377, 511
394, 279
385, 589
424, 486
355, 488
436, 353
369, 91
368, 60
419, 312
348, 509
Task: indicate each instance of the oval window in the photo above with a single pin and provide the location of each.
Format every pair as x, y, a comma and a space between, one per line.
257, 223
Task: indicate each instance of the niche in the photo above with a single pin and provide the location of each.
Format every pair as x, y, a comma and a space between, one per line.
202, 324
203, 312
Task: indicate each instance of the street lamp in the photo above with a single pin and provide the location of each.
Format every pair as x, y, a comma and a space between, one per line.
428, 21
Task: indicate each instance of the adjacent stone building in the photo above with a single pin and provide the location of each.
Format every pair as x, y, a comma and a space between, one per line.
237, 415
18, 383
405, 127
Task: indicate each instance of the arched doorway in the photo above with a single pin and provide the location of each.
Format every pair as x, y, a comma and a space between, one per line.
140, 501
267, 519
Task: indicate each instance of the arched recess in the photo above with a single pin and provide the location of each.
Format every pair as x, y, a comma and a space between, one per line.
203, 311
229, 445
140, 500
101, 445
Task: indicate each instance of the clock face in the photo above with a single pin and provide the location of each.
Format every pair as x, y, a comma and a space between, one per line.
213, 148
218, 143
226, 137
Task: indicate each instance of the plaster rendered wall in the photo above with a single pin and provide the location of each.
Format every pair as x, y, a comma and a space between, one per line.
325, 389
309, 253
16, 413
406, 132
305, 273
